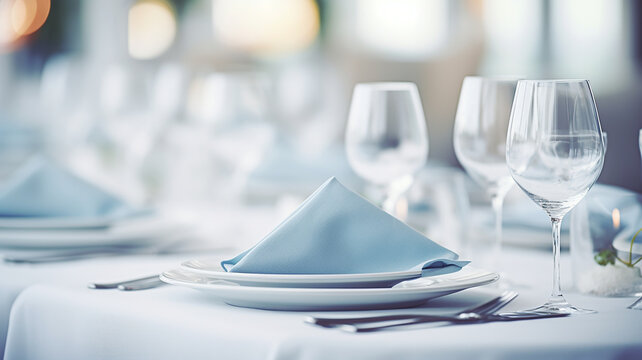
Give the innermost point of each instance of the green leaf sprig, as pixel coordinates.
(608, 256)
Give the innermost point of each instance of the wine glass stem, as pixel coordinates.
(393, 193)
(497, 201)
(556, 294)
(389, 203)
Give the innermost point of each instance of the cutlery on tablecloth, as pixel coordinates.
(486, 308)
(453, 320)
(142, 283)
(476, 315)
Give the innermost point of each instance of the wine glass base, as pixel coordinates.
(559, 307)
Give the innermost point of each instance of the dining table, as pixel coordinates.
(47, 311)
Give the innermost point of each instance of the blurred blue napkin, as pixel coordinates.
(527, 215)
(336, 231)
(43, 188)
(600, 203)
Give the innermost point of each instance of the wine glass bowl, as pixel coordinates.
(481, 126)
(555, 152)
(386, 137)
(574, 163)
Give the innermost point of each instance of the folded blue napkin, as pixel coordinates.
(336, 231)
(43, 188)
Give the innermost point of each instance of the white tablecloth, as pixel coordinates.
(55, 316)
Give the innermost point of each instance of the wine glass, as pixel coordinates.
(386, 137)
(481, 126)
(555, 152)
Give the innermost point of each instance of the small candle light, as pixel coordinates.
(401, 209)
(616, 218)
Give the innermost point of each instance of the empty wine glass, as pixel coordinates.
(481, 127)
(386, 137)
(555, 152)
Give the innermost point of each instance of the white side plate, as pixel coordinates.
(211, 268)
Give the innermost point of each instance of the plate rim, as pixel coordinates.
(487, 277)
(299, 277)
(304, 278)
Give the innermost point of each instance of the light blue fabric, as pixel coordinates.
(529, 215)
(42, 188)
(600, 203)
(526, 215)
(336, 231)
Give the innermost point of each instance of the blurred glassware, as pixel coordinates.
(284, 170)
(168, 91)
(602, 227)
(223, 100)
(386, 137)
(222, 135)
(65, 100)
(481, 127)
(18, 142)
(555, 152)
(127, 128)
(437, 205)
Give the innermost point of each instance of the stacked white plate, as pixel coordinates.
(322, 291)
(64, 233)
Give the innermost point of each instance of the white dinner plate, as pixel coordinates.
(212, 269)
(316, 299)
(134, 231)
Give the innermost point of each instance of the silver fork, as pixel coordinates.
(486, 308)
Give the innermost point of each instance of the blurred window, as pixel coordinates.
(402, 29)
(513, 32)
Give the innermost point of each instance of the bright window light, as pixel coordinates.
(151, 28)
(402, 29)
(265, 27)
(513, 38)
(587, 38)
